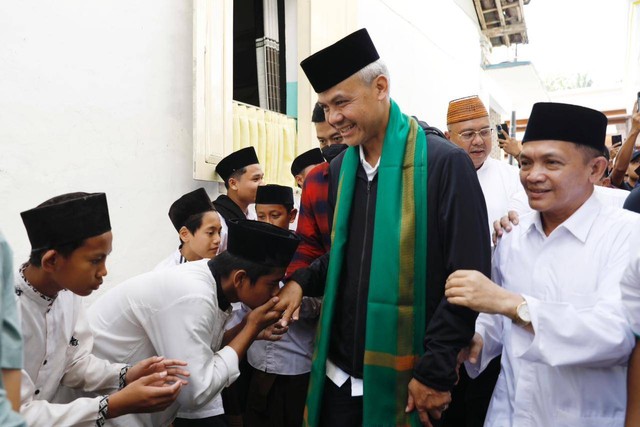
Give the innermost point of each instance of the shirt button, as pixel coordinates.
(45, 362)
(37, 392)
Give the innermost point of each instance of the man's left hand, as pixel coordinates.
(427, 401)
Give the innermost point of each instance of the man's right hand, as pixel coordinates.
(504, 225)
(290, 299)
(151, 393)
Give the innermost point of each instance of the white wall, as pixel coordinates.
(432, 49)
(97, 96)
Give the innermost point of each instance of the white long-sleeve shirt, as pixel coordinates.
(215, 406)
(173, 313)
(502, 190)
(57, 348)
(572, 371)
(630, 285)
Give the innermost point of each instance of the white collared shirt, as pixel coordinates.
(215, 406)
(572, 372)
(172, 313)
(371, 171)
(57, 345)
(502, 190)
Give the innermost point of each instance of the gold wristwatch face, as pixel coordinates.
(522, 312)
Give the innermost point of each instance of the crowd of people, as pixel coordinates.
(382, 300)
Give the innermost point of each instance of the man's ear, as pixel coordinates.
(185, 234)
(447, 135)
(237, 278)
(292, 215)
(233, 184)
(50, 259)
(299, 181)
(598, 166)
(382, 87)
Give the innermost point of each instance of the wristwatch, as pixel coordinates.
(522, 317)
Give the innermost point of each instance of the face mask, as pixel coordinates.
(331, 151)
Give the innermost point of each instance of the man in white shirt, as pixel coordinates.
(468, 127)
(71, 238)
(183, 311)
(554, 309)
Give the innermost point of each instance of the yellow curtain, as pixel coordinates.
(274, 137)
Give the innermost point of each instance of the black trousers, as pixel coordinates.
(276, 400)
(217, 421)
(339, 408)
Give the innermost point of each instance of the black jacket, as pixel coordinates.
(456, 224)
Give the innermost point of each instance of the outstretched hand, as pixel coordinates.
(150, 393)
(156, 364)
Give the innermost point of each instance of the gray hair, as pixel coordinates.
(373, 70)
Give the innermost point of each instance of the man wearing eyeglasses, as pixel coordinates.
(469, 127)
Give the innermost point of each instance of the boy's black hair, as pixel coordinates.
(225, 263)
(35, 257)
(318, 114)
(236, 175)
(193, 223)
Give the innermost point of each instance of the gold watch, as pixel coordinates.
(522, 317)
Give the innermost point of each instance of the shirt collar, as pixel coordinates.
(371, 171)
(24, 287)
(579, 223)
(223, 302)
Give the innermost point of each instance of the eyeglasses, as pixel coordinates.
(469, 135)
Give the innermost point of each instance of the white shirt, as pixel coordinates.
(172, 260)
(172, 313)
(57, 348)
(611, 196)
(502, 190)
(630, 285)
(215, 406)
(370, 170)
(572, 372)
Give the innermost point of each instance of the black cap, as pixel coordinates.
(236, 160)
(75, 217)
(190, 204)
(273, 194)
(318, 114)
(566, 122)
(308, 158)
(333, 64)
(261, 242)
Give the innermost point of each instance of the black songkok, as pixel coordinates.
(261, 242)
(66, 219)
(236, 160)
(308, 158)
(273, 194)
(333, 64)
(190, 204)
(566, 122)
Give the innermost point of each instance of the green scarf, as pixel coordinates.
(397, 283)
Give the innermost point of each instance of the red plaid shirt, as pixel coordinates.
(313, 221)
